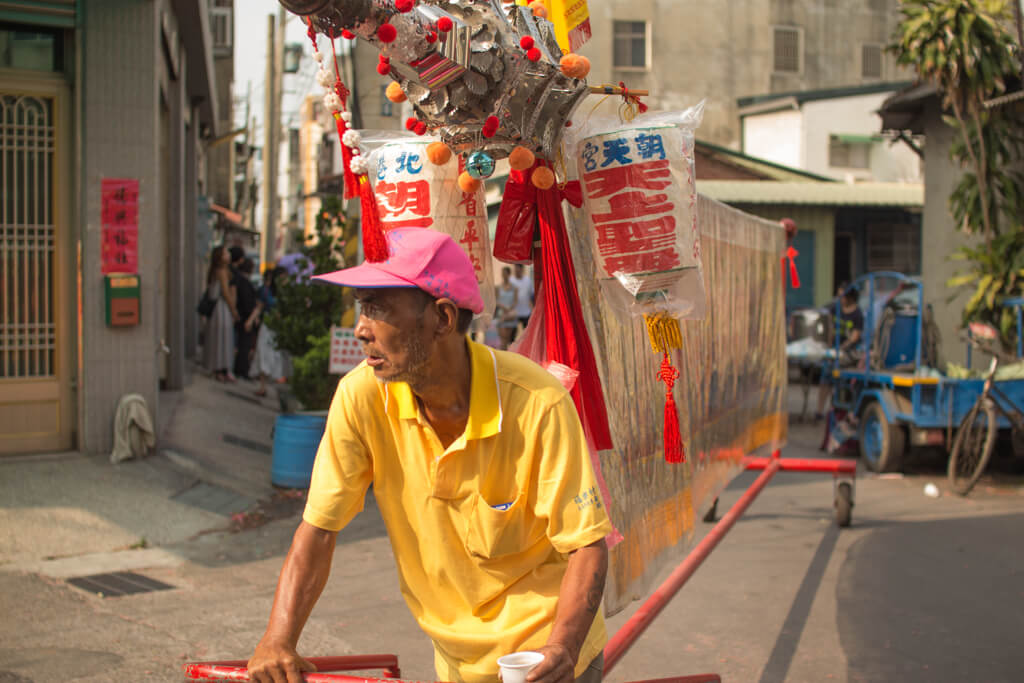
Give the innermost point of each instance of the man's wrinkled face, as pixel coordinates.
(394, 327)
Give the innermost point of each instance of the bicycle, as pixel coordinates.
(976, 437)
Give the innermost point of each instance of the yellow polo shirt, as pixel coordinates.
(481, 531)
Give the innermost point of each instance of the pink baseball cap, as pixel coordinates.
(418, 257)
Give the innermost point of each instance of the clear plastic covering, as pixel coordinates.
(413, 192)
(640, 205)
(729, 395)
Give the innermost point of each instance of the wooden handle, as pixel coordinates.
(615, 90)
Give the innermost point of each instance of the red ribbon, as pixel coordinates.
(566, 338)
(517, 218)
(794, 277)
(635, 99)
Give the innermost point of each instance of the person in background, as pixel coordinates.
(218, 344)
(851, 333)
(249, 312)
(506, 296)
(523, 282)
(268, 361)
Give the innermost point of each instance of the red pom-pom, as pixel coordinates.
(533, 54)
(526, 42)
(420, 129)
(387, 33)
(383, 60)
(410, 123)
(383, 68)
(431, 37)
(444, 24)
(347, 35)
(492, 122)
(404, 5)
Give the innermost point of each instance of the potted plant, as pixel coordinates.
(301, 320)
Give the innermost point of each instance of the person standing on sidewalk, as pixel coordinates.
(523, 283)
(481, 472)
(218, 339)
(249, 309)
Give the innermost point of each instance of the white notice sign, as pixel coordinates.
(346, 350)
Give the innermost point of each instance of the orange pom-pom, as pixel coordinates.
(394, 92)
(575, 66)
(521, 159)
(538, 9)
(543, 178)
(468, 183)
(438, 153)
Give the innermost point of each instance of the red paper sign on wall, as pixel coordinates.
(119, 217)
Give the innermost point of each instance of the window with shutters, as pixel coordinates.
(788, 50)
(871, 61)
(222, 26)
(846, 153)
(894, 247)
(630, 45)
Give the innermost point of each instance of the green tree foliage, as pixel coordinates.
(967, 50)
(306, 310)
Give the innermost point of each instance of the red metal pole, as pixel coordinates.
(638, 623)
(804, 465)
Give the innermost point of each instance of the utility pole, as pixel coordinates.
(269, 150)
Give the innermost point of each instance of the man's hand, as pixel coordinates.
(558, 666)
(277, 663)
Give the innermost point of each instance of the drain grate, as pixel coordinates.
(116, 584)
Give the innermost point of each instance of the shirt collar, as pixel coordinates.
(485, 413)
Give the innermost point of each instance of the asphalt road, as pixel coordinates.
(918, 589)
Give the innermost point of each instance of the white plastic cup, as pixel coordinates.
(514, 667)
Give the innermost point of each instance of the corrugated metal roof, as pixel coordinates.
(818, 194)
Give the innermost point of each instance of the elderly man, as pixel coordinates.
(480, 468)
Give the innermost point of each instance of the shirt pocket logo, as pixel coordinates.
(501, 529)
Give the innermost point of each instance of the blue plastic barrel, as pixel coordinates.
(296, 438)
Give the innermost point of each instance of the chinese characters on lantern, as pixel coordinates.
(119, 218)
(412, 192)
(635, 199)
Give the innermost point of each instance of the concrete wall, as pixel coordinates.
(142, 125)
(941, 238)
(776, 136)
(855, 115)
(724, 50)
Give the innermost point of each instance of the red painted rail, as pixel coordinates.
(804, 465)
(235, 670)
(638, 623)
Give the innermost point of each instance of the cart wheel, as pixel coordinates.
(844, 504)
(881, 442)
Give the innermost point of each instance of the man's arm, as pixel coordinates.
(579, 599)
(303, 577)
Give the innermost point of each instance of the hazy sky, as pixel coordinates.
(251, 57)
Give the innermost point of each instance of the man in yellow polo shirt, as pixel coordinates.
(481, 471)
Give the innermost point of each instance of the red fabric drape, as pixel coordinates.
(566, 338)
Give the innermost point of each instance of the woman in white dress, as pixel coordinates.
(219, 340)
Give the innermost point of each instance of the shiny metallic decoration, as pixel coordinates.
(472, 72)
(480, 165)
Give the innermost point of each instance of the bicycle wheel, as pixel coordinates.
(972, 447)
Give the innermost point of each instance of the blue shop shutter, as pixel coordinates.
(803, 242)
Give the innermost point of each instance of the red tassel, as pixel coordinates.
(375, 246)
(673, 440)
(351, 186)
(794, 276)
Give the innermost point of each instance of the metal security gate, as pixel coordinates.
(35, 372)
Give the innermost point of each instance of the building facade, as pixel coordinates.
(106, 109)
(687, 50)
